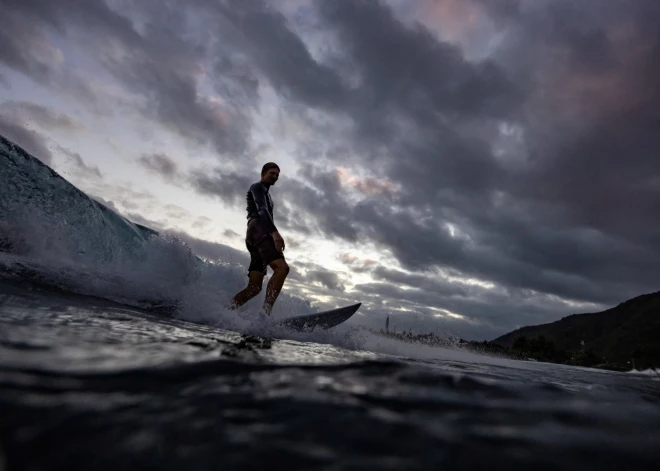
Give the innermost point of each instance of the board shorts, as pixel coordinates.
(261, 246)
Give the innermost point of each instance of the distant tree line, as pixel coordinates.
(541, 349)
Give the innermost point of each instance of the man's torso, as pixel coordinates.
(252, 210)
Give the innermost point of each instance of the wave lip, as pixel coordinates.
(45, 215)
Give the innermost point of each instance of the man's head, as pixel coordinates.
(270, 173)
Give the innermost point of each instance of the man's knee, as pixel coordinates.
(280, 266)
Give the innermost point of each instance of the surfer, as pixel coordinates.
(264, 242)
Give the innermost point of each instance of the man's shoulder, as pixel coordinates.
(256, 186)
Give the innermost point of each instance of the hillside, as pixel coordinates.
(629, 330)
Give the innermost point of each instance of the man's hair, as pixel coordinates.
(268, 166)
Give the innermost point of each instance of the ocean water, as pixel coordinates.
(98, 372)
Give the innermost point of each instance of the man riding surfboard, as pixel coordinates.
(264, 242)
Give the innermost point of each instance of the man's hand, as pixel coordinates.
(279, 242)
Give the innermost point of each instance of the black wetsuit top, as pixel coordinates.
(260, 206)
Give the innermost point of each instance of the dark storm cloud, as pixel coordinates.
(321, 205)
(568, 211)
(230, 187)
(425, 87)
(43, 116)
(326, 278)
(330, 282)
(408, 69)
(4, 82)
(356, 264)
(500, 9)
(22, 46)
(230, 233)
(156, 63)
(594, 151)
(26, 48)
(601, 172)
(32, 142)
(513, 253)
(405, 76)
(161, 164)
(280, 53)
(165, 68)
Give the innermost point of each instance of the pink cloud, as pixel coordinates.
(368, 186)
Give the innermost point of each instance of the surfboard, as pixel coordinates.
(324, 320)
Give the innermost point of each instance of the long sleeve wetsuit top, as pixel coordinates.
(260, 206)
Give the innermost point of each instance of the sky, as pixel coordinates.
(470, 166)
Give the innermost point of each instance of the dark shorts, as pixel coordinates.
(261, 246)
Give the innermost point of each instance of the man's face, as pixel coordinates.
(271, 176)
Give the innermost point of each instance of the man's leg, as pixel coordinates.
(255, 282)
(280, 271)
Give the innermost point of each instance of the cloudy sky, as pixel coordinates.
(477, 165)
